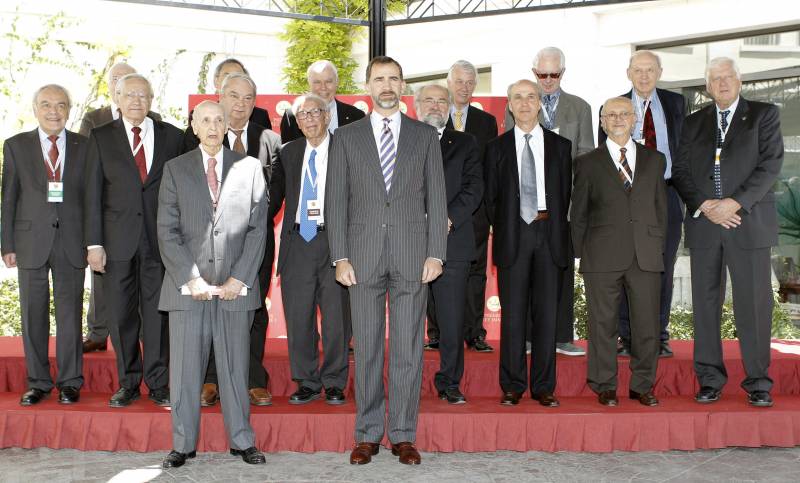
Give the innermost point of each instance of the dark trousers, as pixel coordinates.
(476, 284)
(752, 306)
(96, 319)
(34, 299)
(675, 210)
(603, 293)
(258, 375)
(529, 284)
(308, 281)
(448, 293)
(132, 289)
(565, 313)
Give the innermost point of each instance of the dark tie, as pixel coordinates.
(649, 128)
(53, 155)
(213, 182)
(623, 161)
(549, 106)
(141, 161)
(723, 127)
(238, 146)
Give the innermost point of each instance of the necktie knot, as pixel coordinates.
(238, 132)
(53, 138)
(527, 137)
(212, 163)
(136, 130)
(386, 122)
(548, 99)
(622, 152)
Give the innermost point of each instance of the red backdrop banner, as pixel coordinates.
(276, 105)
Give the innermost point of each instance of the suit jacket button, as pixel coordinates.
(210, 260)
(387, 203)
(138, 214)
(216, 232)
(383, 225)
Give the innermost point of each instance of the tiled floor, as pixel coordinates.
(733, 464)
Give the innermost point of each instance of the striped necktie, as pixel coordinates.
(623, 161)
(388, 153)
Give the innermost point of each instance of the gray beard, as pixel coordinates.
(387, 104)
(435, 120)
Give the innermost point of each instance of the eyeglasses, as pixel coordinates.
(545, 75)
(314, 113)
(621, 115)
(440, 102)
(137, 95)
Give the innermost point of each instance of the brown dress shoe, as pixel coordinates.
(259, 396)
(363, 452)
(209, 396)
(546, 399)
(407, 453)
(608, 398)
(510, 398)
(91, 346)
(645, 398)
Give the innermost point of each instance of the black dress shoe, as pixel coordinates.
(760, 399)
(546, 399)
(251, 455)
(432, 345)
(644, 398)
(510, 398)
(665, 350)
(69, 395)
(452, 395)
(608, 398)
(707, 395)
(159, 396)
(176, 460)
(33, 396)
(478, 344)
(303, 395)
(334, 396)
(123, 397)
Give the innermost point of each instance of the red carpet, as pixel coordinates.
(580, 424)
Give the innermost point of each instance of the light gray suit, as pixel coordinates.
(197, 241)
(387, 238)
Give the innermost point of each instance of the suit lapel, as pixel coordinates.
(642, 168)
(550, 167)
(510, 151)
(157, 165)
(294, 179)
(610, 167)
(227, 163)
(447, 145)
(70, 163)
(198, 175)
(404, 146)
(668, 116)
(372, 155)
(738, 120)
(125, 147)
(37, 158)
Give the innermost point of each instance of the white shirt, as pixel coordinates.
(536, 142)
(616, 154)
(217, 168)
(232, 137)
(377, 127)
(321, 165)
(334, 124)
(61, 144)
(147, 137)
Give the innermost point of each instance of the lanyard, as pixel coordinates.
(723, 132)
(641, 111)
(53, 169)
(141, 142)
(621, 169)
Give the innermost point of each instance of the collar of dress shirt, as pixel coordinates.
(244, 130)
(322, 149)
(463, 110)
(536, 133)
(376, 120)
(554, 96)
(731, 108)
(630, 153)
(218, 157)
(440, 131)
(146, 125)
(62, 136)
(114, 111)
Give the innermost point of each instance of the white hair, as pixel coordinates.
(463, 65)
(119, 65)
(52, 86)
(640, 53)
(321, 65)
(418, 94)
(233, 76)
(550, 52)
(719, 62)
(300, 100)
(134, 76)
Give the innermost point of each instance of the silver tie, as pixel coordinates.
(529, 204)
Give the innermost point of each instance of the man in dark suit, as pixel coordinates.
(658, 123)
(308, 280)
(323, 80)
(387, 217)
(96, 320)
(124, 165)
(730, 156)
(568, 116)
(230, 66)
(212, 203)
(463, 177)
(619, 216)
(461, 82)
(528, 183)
(42, 220)
(237, 96)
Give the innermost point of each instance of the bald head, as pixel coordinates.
(644, 71)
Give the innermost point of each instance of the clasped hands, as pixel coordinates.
(201, 290)
(722, 212)
(346, 274)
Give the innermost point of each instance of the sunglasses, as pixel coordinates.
(552, 75)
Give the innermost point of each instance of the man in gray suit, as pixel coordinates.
(387, 217)
(42, 220)
(96, 319)
(571, 117)
(211, 222)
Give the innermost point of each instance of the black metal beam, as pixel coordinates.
(377, 28)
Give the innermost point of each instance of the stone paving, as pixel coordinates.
(731, 464)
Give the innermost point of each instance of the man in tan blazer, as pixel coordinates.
(619, 218)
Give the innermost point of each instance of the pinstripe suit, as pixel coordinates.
(387, 238)
(197, 241)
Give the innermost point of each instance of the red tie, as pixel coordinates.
(53, 155)
(649, 129)
(211, 178)
(141, 161)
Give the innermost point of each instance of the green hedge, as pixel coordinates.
(681, 320)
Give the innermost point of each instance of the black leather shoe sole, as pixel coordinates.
(760, 403)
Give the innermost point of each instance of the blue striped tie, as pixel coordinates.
(308, 228)
(387, 153)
